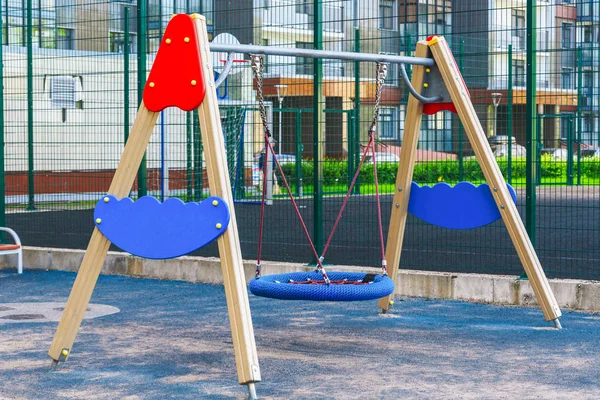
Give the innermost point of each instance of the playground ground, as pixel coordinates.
(171, 340)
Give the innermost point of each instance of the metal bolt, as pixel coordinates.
(502, 206)
(397, 205)
(495, 189)
(399, 189)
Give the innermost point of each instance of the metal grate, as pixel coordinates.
(63, 92)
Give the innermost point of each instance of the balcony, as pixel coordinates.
(590, 54)
(588, 11)
(287, 14)
(590, 101)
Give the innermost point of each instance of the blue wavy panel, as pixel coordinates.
(151, 229)
(463, 206)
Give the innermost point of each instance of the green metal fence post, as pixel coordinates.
(509, 116)
(354, 145)
(579, 101)
(30, 155)
(569, 122)
(461, 163)
(350, 161)
(317, 129)
(189, 135)
(126, 74)
(189, 156)
(197, 148)
(299, 191)
(142, 11)
(2, 172)
(531, 119)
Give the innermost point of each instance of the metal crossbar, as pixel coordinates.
(326, 54)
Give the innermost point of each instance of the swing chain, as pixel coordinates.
(257, 68)
(379, 81)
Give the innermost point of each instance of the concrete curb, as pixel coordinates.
(495, 289)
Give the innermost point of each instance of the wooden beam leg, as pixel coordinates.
(412, 126)
(95, 254)
(230, 252)
(508, 210)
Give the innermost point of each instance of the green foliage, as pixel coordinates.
(336, 171)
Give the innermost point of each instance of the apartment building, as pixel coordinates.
(588, 40)
(96, 25)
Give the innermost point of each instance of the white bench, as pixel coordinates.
(15, 248)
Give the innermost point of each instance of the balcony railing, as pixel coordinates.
(285, 13)
(519, 42)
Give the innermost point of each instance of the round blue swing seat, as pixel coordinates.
(344, 286)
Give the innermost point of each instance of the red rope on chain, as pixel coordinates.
(339, 216)
(380, 223)
(297, 210)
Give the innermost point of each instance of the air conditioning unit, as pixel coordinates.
(66, 93)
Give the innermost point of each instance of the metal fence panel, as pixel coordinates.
(71, 72)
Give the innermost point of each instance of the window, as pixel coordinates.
(587, 33)
(4, 32)
(518, 72)
(567, 78)
(304, 7)
(388, 122)
(48, 39)
(567, 30)
(387, 14)
(117, 40)
(518, 27)
(304, 66)
(65, 39)
(588, 79)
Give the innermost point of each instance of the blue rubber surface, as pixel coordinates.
(277, 287)
(462, 206)
(171, 340)
(151, 229)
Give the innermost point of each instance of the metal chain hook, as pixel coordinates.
(379, 81)
(257, 69)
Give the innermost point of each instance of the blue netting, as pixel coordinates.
(276, 286)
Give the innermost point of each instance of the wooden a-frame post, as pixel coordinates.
(229, 246)
(466, 112)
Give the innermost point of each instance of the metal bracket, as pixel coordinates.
(423, 99)
(434, 86)
(226, 70)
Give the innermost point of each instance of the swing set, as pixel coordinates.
(182, 77)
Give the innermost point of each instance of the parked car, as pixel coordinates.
(499, 145)
(590, 153)
(516, 150)
(556, 154)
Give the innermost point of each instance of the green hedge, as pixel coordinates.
(336, 171)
